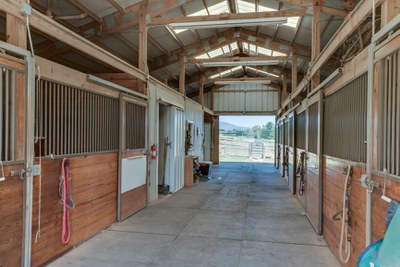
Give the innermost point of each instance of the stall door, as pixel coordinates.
(176, 153)
(207, 141)
(313, 160)
(291, 153)
(17, 102)
(133, 184)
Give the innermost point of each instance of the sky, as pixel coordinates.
(248, 121)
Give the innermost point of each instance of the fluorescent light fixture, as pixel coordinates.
(239, 63)
(227, 82)
(228, 23)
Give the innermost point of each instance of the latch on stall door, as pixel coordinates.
(19, 173)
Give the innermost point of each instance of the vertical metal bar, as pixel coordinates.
(46, 122)
(79, 111)
(393, 112)
(397, 83)
(1, 113)
(13, 115)
(29, 160)
(121, 120)
(7, 116)
(62, 119)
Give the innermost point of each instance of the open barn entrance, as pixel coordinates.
(246, 138)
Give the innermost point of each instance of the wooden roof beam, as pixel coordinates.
(237, 59)
(117, 6)
(161, 21)
(118, 22)
(84, 9)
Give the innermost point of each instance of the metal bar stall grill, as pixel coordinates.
(75, 121)
(301, 130)
(345, 119)
(291, 131)
(313, 128)
(7, 113)
(135, 126)
(389, 115)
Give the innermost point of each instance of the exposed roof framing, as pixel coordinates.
(117, 22)
(84, 9)
(225, 38)
(234, 16)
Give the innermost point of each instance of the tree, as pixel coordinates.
(270, 130)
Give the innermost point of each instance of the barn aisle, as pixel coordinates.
(244, 216)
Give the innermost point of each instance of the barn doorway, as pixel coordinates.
(247, 138)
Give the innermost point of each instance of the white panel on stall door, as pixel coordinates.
(133, 173)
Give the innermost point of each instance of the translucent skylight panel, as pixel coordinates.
(225, 72)
(278, 54)
(237, 68)
(202, 12)
(265, 9)
(253, 49)
(234, 46)
(214, 76)
(292, 22)
(264, 51)
(246, 7)
(219, 8)
(202, 56)
(226, 49)
(179, 30)
(215, 53)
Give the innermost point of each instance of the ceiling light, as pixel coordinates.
(240, 63)
(228, 23)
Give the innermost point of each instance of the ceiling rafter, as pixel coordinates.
(84, 9)
(160, 21)
(117, 22)
(117, 6)
(226, 38)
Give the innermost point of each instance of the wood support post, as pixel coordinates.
(16, 31)
(216, 140)
(143, 66)
(182, 73)
(280, 98)
(284, 87)
(201, 90)
(389, 9)
(316, 39)
(294, 71)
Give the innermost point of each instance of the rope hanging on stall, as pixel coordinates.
(345, 236)
(301, 171)
(67, 202)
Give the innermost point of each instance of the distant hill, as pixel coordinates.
(230, 127)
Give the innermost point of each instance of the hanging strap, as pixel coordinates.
(66, 200)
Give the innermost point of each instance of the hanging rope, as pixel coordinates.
(301, 171)
(345, 237)
(66, 200)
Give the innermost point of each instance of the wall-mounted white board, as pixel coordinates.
(133, 173)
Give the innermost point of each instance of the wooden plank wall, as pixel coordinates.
(11, 195)
(133, 201)
(94, 190)
(333, 186)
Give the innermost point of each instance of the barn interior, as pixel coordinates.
(110, 132)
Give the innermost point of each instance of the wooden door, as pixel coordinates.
(133, 156)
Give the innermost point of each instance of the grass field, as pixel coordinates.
(236, 149)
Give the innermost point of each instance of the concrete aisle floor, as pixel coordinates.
(246, 218)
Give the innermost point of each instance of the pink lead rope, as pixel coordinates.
(66, 200)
